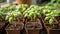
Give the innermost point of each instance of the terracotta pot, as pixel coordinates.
(10, 29)
(52, 29)
(33, 27)
(13, 31)
(34, 31)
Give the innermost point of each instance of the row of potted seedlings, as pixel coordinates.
(3, 12)
(33, 23)
(16, 20)
(50, 19)
(24, 17)
(30, 18)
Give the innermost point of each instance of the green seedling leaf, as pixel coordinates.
(7, 18)
(51, 21)
(11, 19)
(35, 16)
(47, 18)
(1, 16)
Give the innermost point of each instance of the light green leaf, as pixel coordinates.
(47, 18)
(51, 21)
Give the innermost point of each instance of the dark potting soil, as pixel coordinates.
(2, 30)
(17, 27)
(32, 20)
(55, 26)
(33, 25)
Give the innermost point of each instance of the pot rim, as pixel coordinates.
(13, 28)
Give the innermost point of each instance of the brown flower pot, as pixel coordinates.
(11, 29)
(58, 18)
(29, 2)
(33, 27)
(15, 27)
(33, 31)
(52, 29)
(2, 23)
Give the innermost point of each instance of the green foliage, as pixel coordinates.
(54, 3)
(22, 7)
(50, 16)
(51, 21)
(32, 12)
(5, 10)
(11, 17)
(11, 7)
(1, 15)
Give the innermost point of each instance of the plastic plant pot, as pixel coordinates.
(52, 29)
(11, 29)
(33, 27)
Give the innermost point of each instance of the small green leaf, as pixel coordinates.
(1, 16)
(47, 18)
(51, 21)
(11, 19)
(47, 14)
(35, 16)
(26, 15)
(7, 17)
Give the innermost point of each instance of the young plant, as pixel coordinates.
(8, 8)
(51, 2)
(54, 3)
(32, 12)
(22, 7)
(51, 16)
(11, 8)
(4, 9)
(11, 17)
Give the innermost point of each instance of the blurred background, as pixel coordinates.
(36, 1)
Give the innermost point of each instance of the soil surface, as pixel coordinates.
(13, 27)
